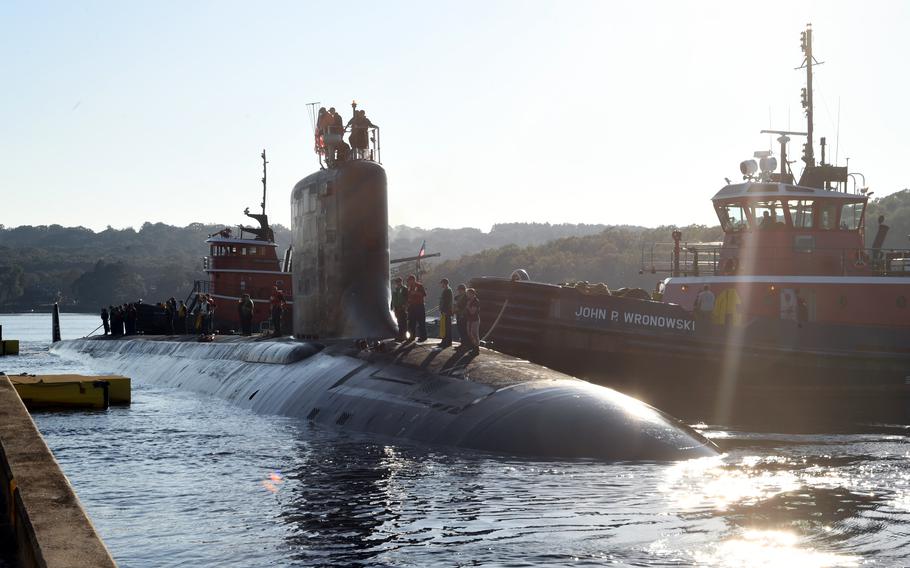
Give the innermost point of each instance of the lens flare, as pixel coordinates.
(272, 483)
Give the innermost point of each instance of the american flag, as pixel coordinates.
(423, 250)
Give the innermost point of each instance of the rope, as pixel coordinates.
(93, 331)
(496, 321)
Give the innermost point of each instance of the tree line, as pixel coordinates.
(85, 269)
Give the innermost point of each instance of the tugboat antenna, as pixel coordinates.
(264, 175)
(808, 62)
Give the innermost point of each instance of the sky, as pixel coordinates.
(118, 113)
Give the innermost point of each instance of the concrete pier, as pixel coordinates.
(42, 517)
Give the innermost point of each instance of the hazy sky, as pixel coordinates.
(117, 113)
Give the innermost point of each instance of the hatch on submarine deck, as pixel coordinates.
(489, 401)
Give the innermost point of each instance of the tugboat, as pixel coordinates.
(247, 263)
(809, 325)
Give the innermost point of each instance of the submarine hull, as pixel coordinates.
(488, 402)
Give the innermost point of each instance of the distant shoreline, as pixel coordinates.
(43, 310)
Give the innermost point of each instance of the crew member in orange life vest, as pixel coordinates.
(277, 302)
(417, 313)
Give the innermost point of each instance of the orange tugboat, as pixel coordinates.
(806, 322)
(247, 263)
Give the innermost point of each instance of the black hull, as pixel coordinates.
(764, 375)
(487, 401)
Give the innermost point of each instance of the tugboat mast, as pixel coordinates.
(264, 175)
(806, 45)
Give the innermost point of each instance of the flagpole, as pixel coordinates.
(420, 253)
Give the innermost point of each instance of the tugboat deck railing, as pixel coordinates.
(706, 259)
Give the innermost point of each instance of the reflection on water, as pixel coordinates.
(179, 479)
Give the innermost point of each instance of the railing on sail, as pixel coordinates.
(331, 141)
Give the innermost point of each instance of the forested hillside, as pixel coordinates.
(896, 209)
(79, 266)
(83, 269)
(612, 256)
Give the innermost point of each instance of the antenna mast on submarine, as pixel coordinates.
(264, 175)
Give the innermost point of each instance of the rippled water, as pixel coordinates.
(179, 479)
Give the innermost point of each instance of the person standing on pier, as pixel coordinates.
(446, 309)
(417, 311)
(104, 321)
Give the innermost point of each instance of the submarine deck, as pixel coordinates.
(488, 367)
(486, 401)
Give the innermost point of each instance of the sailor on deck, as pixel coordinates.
(360, 140)
(446, 309)
(704, 305)
(245, 309)
(277, 302)
(417, 314)
(336, 149)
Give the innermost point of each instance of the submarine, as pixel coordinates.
(343, 369)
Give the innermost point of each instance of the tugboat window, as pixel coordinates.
(733, 217)
(826, 215)
(801, 213)
(769, 214)
(850, 216)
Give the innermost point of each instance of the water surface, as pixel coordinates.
(181, 479)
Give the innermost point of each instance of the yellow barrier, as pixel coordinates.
(73, 391)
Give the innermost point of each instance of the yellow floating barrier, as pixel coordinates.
(9, 347)
(71, 391)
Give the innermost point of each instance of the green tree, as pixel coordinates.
(11, 283)
(108, 283)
